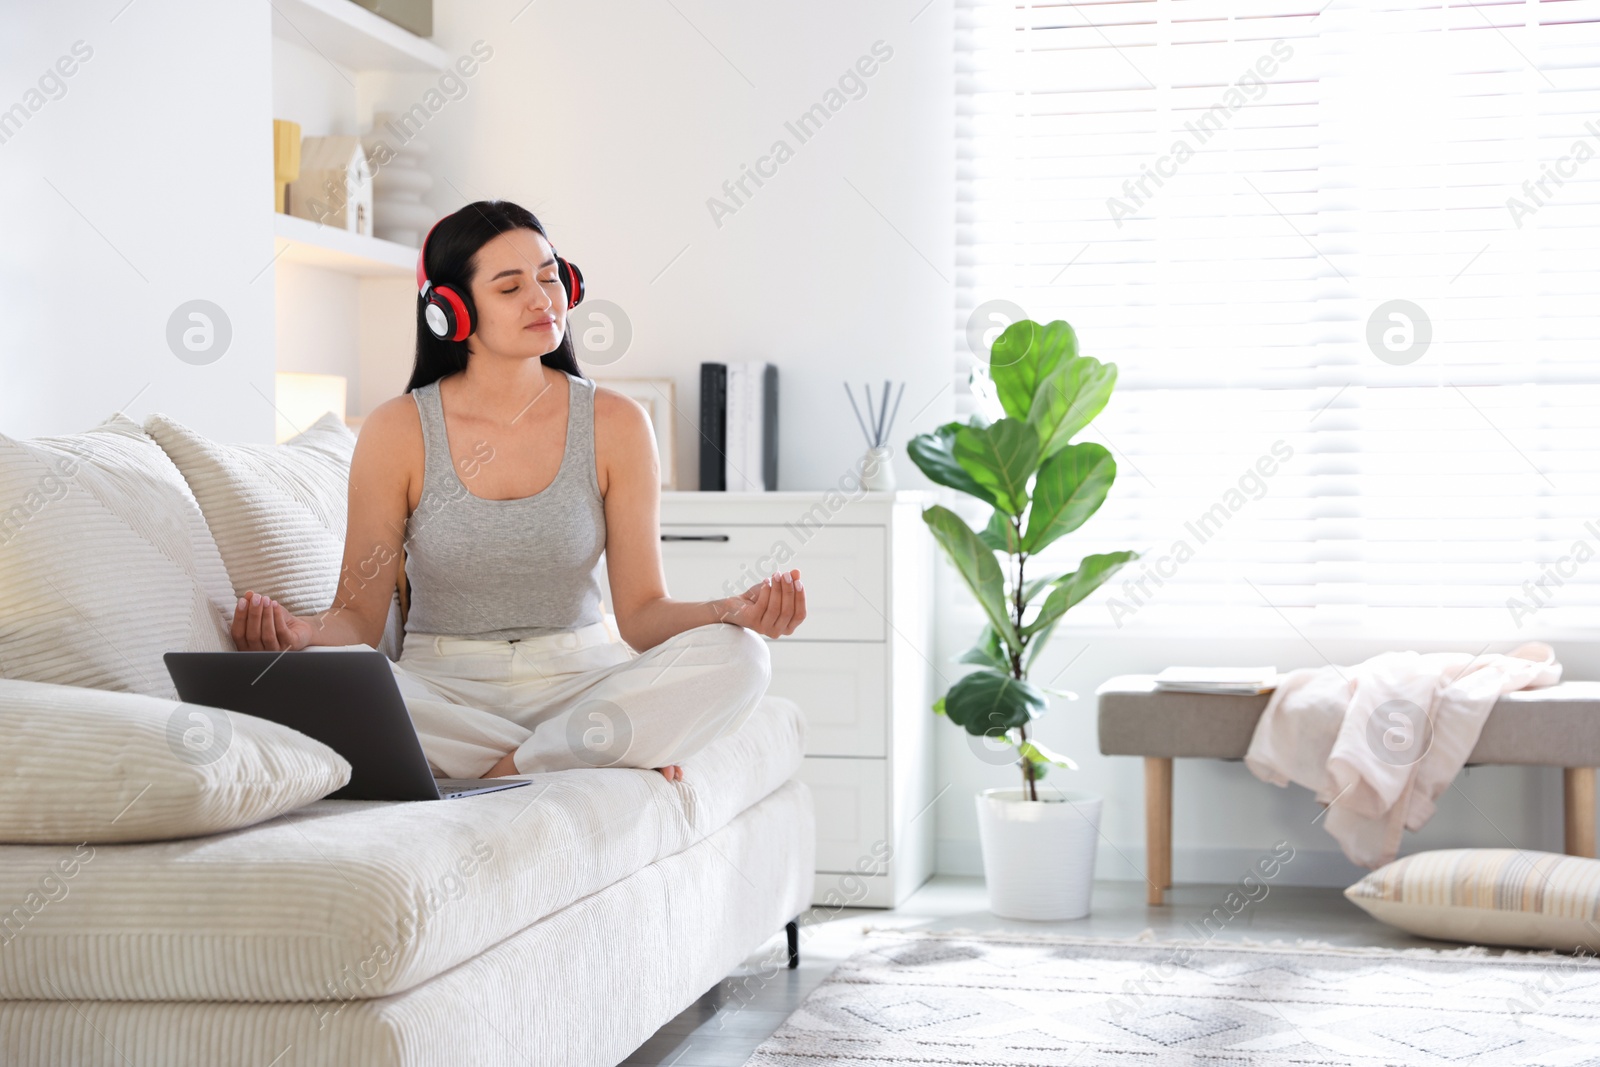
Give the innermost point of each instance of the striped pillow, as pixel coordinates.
(1491, 896)
(277, 511)
(105, 562)
(84, 765)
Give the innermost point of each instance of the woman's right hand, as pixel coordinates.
(261, 624)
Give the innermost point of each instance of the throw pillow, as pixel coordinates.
(278, 512)
(1490, 896)
(105, 562)
(86, 765)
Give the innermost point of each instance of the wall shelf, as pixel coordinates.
(314, 245)
(354, 37)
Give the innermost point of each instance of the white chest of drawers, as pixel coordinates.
(859, 666)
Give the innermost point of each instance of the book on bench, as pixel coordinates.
(1244, 681)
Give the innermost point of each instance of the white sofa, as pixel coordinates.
(559, 924)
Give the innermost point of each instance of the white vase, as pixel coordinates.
(877, 469)
(398, 181)
(1038, 855)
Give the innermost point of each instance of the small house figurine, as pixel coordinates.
(335, 184)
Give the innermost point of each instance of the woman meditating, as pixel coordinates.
(504, 474)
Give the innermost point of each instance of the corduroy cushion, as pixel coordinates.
(580, 986)
(278, 512)
(349, 898)
(1557, 725)
(90, 766)
(1491, 896)
(105, 562)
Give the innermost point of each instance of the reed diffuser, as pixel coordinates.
(877, 470)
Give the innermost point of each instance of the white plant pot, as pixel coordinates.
(1038, 855)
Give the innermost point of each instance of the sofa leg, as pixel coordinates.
(1157, 827)
(1578, 800)
(792, 928)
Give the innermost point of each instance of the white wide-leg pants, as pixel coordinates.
(578, 699)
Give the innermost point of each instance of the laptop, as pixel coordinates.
(345, 698)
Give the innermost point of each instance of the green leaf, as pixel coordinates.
(1031, 587)
(987, 701)
(1000, 457)
(1070, 589)
(1000, 535)
(987, 652)
(1069, 399)
(1044, 623)
(1036, 753)
(1072, 485)
(933, 453)
(938, 706)
(1036, 644)
(976, 564)
(1023, 357)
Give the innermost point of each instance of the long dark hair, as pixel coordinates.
(451, 254)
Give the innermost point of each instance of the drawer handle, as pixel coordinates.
(694, 537)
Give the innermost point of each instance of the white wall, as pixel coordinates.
(388, 340)
(145, 185)
(614, 122)
(318, 332)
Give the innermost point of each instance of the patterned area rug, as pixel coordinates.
(961, 997)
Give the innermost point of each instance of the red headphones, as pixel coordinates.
(445, 311)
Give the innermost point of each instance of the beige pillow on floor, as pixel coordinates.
(277, 512)
(86, 765)
(1489, 896)
(105, 562)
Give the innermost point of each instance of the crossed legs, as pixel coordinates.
(604, 706)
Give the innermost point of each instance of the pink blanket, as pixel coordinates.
(1379, 741)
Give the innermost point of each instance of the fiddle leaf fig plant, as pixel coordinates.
(1041, 487)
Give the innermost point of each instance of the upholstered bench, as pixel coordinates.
(1554, 727)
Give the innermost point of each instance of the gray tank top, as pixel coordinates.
(506, 569)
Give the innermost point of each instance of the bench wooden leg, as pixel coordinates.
(1578, 799)
(1158, 826)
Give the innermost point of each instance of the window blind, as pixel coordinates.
(1346, 260)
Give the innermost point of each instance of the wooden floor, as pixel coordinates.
(725, 1025)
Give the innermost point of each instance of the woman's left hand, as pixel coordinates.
(773, 607)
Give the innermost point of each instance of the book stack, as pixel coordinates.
(739, 426)
(1242, 681)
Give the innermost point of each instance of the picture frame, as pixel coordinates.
(660, 401)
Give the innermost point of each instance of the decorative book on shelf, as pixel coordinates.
(739, 426)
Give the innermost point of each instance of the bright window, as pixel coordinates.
(1347, 261)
